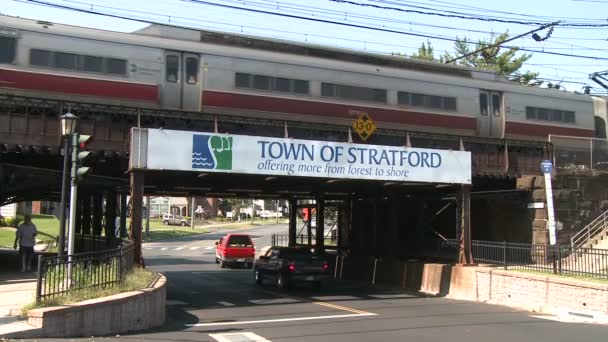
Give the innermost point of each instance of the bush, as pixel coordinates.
(11, 221)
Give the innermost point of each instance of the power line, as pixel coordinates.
(461, 16)
(428, 36)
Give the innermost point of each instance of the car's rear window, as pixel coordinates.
(296, 254)
(239, 241)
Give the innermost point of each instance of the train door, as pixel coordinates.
(492, 118)
(182, 81)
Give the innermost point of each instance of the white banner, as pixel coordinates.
(210, 152)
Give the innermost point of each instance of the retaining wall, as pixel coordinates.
(121, 313)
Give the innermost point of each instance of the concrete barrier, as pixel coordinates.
(116, 314)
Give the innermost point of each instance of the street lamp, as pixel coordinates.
(68, 127)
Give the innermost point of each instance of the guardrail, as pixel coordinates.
(301, 240)
(556, 259)
(61, 275)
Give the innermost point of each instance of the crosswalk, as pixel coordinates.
(191, 248)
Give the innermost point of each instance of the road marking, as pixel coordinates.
(280, 320)
(164, 248)
(225, 303)
(231, 337)
(343, 308)
(284, 300)
(179, 248)
(194, 248)
(209, 247)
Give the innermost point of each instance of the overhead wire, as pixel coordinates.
(152, 22)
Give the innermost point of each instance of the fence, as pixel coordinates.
(576, 154)
(557, 259)
(60, 275)
(302, 239)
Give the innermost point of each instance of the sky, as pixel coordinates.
(572, 73)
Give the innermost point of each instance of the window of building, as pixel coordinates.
(172, 68)
(8, 48)
(41, 57)
(353, 92)
(192, 70)
(428, 101)
(546, 114)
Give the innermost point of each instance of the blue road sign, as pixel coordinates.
(546, 166)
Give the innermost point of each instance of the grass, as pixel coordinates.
(167, 234)
(567, 276)
(46, 224)
(136, 279)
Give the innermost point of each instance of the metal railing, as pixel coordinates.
(577, 154)
(61, 275)
(282, 240)
(583, 237)
(556, 259)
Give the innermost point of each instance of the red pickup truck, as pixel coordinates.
(235, 249)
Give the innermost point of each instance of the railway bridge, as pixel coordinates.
(376, 216)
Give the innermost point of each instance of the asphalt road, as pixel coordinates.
(206, 303)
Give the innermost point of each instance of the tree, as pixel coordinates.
(503, 61)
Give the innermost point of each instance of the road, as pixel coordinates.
(206, 303)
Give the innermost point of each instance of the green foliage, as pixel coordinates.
(503, 61)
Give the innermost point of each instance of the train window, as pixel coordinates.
(92, 63)
(261, 82)
(435, 101)
(496, 105)
(242, 80)
(534, 113)
(379, 95)
(328, 90)
(172, 68)
(483, 104)
(300, 87)
(403, 98)
(116, 66)
(192, 70)
(530, 113)
(8, 46)
(449, 103)
(282, 84)
(40, 57)
(418, 100)
(66, 60)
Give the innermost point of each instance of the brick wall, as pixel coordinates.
(528, 291)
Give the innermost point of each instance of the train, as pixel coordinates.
(175, 68)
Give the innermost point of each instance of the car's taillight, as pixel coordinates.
(292, 268)
(325, 266)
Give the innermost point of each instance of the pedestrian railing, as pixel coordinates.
(302, 239)
(62, 275)
(556, 259)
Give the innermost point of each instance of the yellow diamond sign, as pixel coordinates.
(364, 126)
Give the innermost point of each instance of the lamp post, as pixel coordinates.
(68, 127)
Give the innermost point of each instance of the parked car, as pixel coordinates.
(235, 249)
(287, 266)
(170, 219)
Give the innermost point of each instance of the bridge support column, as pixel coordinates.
(293, 215)
(320, 228)
(123, 214)
(464, 221)
(110, 218)
(97, 214)
(137, 203)
(86, 213)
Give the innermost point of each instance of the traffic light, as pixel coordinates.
(83, 157)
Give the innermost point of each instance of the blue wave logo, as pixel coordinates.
(211, 152)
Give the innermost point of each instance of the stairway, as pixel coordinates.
(593, 235)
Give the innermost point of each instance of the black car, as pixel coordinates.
(287, 266)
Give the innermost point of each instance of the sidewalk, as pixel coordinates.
(16, 289)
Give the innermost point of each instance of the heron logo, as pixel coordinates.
(211, 152)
